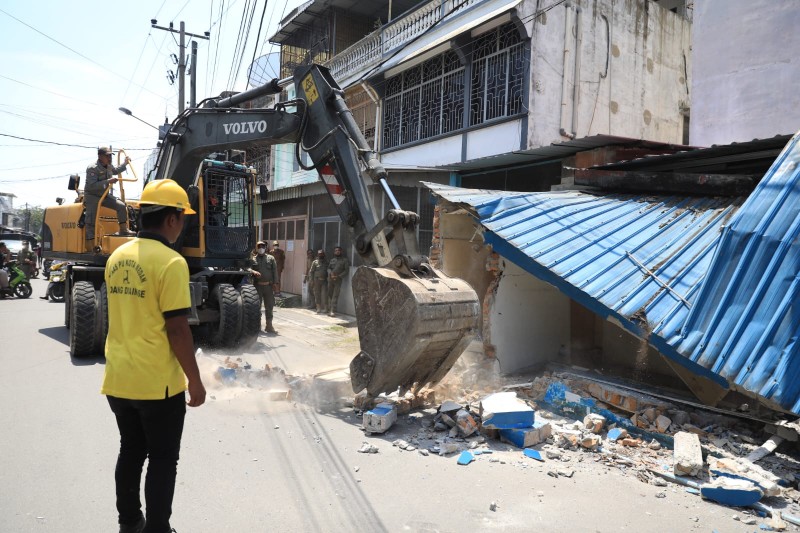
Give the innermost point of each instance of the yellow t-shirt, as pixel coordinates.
(145, 280)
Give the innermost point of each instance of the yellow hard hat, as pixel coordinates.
(166, 193)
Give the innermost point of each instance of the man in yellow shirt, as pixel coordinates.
(149, 357)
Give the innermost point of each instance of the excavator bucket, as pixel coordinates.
(412, 330)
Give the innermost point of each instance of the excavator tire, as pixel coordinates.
(229, 304)
(251, 316)
(101, 297)
(83, 320)
(411, 330)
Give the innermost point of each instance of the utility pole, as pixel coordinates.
(182, 58)
(193, 77)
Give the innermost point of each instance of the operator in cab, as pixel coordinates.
(100, 177)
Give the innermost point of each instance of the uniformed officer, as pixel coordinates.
(150, 358)
(338, 268)
(26, 259)
(99, 177)
(280, 260)
(265, 271)
(309, 261)
(318, 274)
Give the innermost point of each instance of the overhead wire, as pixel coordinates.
(216, 51)
(71, 49)
(236, 52)
(61, 144)
(258, 34)
(244, 43)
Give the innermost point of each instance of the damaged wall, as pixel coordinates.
(629, 60)
(529, 320)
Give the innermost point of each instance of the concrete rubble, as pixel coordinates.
(570, 426)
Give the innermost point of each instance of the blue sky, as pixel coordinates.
(67, 67)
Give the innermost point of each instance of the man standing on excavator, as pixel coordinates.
(99, 177)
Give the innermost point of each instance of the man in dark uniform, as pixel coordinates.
(99, 177)
(338, 268)
(26, 258)
(265, 272)
(310, 282)
(318, 274)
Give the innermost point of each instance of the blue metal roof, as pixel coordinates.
(710, 282)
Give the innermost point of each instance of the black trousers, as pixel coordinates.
(148, 429)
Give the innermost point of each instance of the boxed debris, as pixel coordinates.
(526, 437)
(503, 410)
(380, 419)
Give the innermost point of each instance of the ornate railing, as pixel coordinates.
(389, 37)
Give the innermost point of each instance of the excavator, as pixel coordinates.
(413, 321)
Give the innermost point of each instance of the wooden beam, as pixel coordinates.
(668, 182)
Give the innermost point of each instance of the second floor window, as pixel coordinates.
(498, 75)
(424, 101)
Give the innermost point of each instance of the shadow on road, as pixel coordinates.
(60, 334)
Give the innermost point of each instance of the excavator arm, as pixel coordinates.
(413, 321)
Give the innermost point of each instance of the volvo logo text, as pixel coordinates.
(238, 128)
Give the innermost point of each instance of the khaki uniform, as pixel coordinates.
(27, 268)
(280, 260)
(310, 281)
(318, 275)
(97, 177)
(266, 266)
(338, 268)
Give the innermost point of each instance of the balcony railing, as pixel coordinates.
(374, 47)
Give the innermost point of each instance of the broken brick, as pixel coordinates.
(688, 454)
(732, 492)
(503, 410)
(526, 437)
(380, 419)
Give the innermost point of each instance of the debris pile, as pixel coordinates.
(560, 420)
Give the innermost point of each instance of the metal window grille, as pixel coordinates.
(498, 73)
(424, 101)
(227, 220)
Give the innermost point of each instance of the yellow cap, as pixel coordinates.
(166, 193)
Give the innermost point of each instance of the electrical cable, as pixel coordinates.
(63, 144)
(246, 39)
(236, 50)
(72, 50)
(48, 91)
(216, 52)
(258, 35)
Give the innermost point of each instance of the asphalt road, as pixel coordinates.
(251, 463)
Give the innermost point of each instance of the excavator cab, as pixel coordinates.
(222, 197)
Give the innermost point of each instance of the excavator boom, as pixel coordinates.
(413, 321)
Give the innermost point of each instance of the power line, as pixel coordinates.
(64, 144)
(258, 35)
(48, 91)
(73, 50)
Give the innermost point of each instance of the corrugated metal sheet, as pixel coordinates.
(745, 326)
(712, 285)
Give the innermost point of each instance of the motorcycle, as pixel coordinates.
(56, 278)
(18, 284)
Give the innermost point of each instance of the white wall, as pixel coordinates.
(746, 74)
(529, 320)
(638, 94)
(435, 153)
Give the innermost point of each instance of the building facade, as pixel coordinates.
(459, 91)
